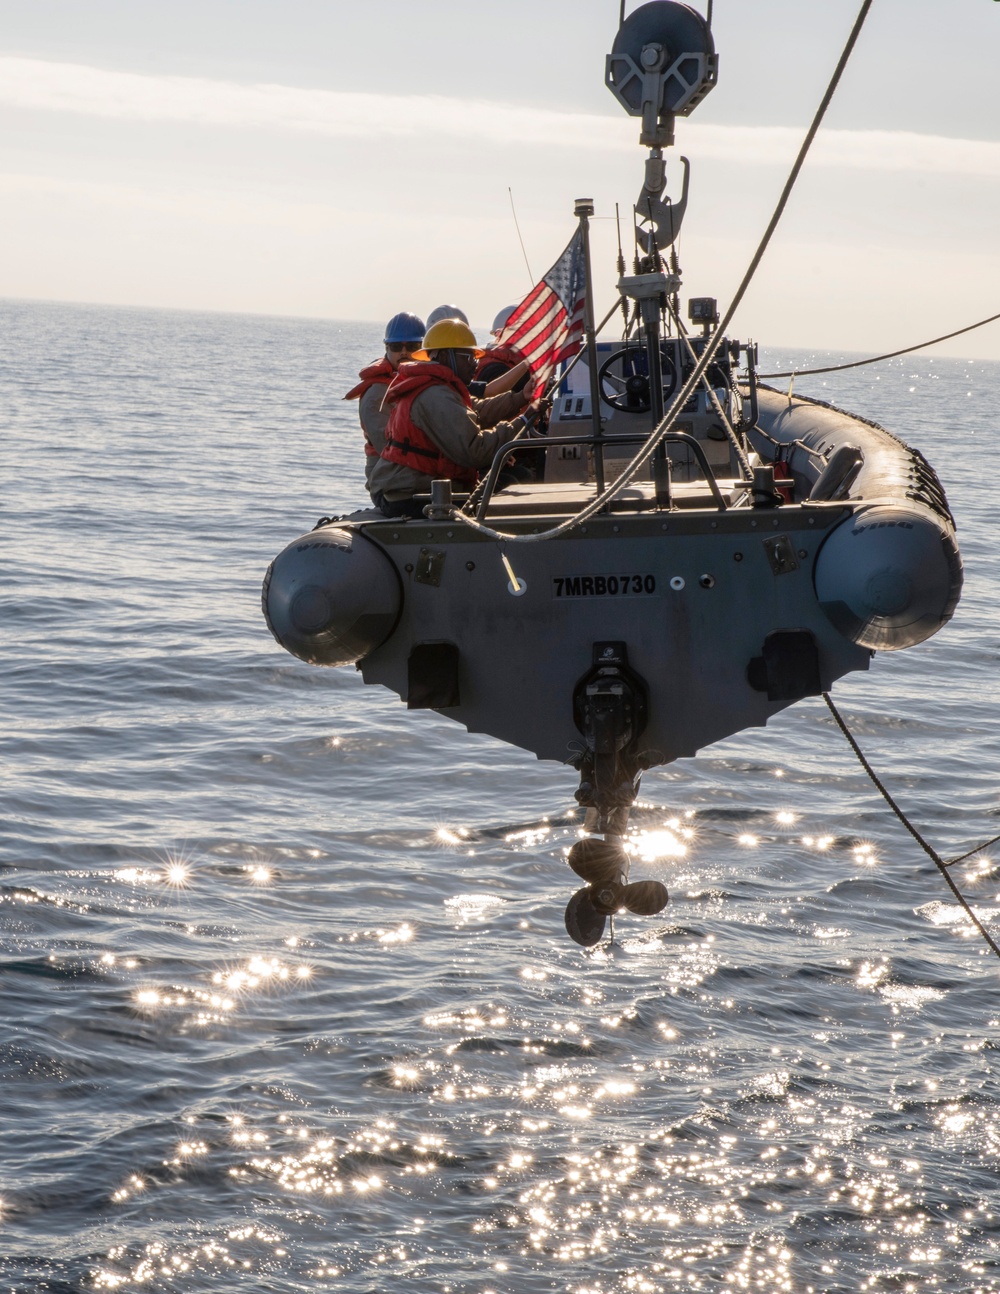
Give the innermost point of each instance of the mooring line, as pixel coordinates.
(936, 858)
(953, 862)
(879, 359)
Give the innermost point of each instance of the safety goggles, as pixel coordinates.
(396, 347)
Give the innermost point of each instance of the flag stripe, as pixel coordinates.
(550, 329)
(546, 310)
(531, 340)
(547, 326)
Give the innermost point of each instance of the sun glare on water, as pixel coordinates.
(177, 874)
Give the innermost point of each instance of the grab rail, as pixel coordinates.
(543, 442)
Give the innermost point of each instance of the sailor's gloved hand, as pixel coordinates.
(534, 415)
(523, 383)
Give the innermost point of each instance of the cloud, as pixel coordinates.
(866, 150)
(41, 85)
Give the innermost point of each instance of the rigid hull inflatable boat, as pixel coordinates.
(696, 550)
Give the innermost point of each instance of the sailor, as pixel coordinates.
(503, 366)
(499, 324)
(497, 362)
(445, 312)
(500, 359)
(436, 429)
(404, 334)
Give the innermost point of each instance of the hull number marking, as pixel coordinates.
(603, 586)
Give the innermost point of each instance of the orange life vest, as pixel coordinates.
(378, 374)
(508, 356)
(405, 442)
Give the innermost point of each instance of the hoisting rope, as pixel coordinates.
(932, 853)
(878, 359)
(629, 474)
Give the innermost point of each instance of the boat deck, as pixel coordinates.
(537, 499)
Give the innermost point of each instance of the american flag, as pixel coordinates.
(547, 327)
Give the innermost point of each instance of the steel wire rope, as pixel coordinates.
(632, 470)
(929, 850)
(879, 359)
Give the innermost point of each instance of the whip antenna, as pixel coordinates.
(519, 238)
(621, 266)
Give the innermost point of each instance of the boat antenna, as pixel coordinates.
(708, 15)
(513, 212)
(675, 264)
(622, 17)
(621, 265)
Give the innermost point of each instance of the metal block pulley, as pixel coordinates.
(662, 64)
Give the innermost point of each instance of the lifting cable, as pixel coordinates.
(878, 359)
(932, 853)
(628, 475)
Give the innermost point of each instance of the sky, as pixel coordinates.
(349, 158)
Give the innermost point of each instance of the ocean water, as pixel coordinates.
(287, 1004)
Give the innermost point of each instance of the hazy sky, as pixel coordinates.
(346, 158)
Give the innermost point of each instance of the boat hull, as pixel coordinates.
(725, 615)
(694, 598)
(892, 577)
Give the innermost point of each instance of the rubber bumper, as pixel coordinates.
(889, 577)
(331, 597)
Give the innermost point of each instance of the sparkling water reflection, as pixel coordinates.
(288, 1005)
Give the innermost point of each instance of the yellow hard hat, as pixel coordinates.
(449, 334)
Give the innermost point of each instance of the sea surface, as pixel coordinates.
(286, 999)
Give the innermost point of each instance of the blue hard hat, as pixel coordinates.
(404, 327)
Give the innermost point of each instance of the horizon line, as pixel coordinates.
(378, 323)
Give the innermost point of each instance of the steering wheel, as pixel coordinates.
(624, 379)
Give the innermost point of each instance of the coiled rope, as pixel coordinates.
(932, 853)
(680, 400)
(878, 359)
